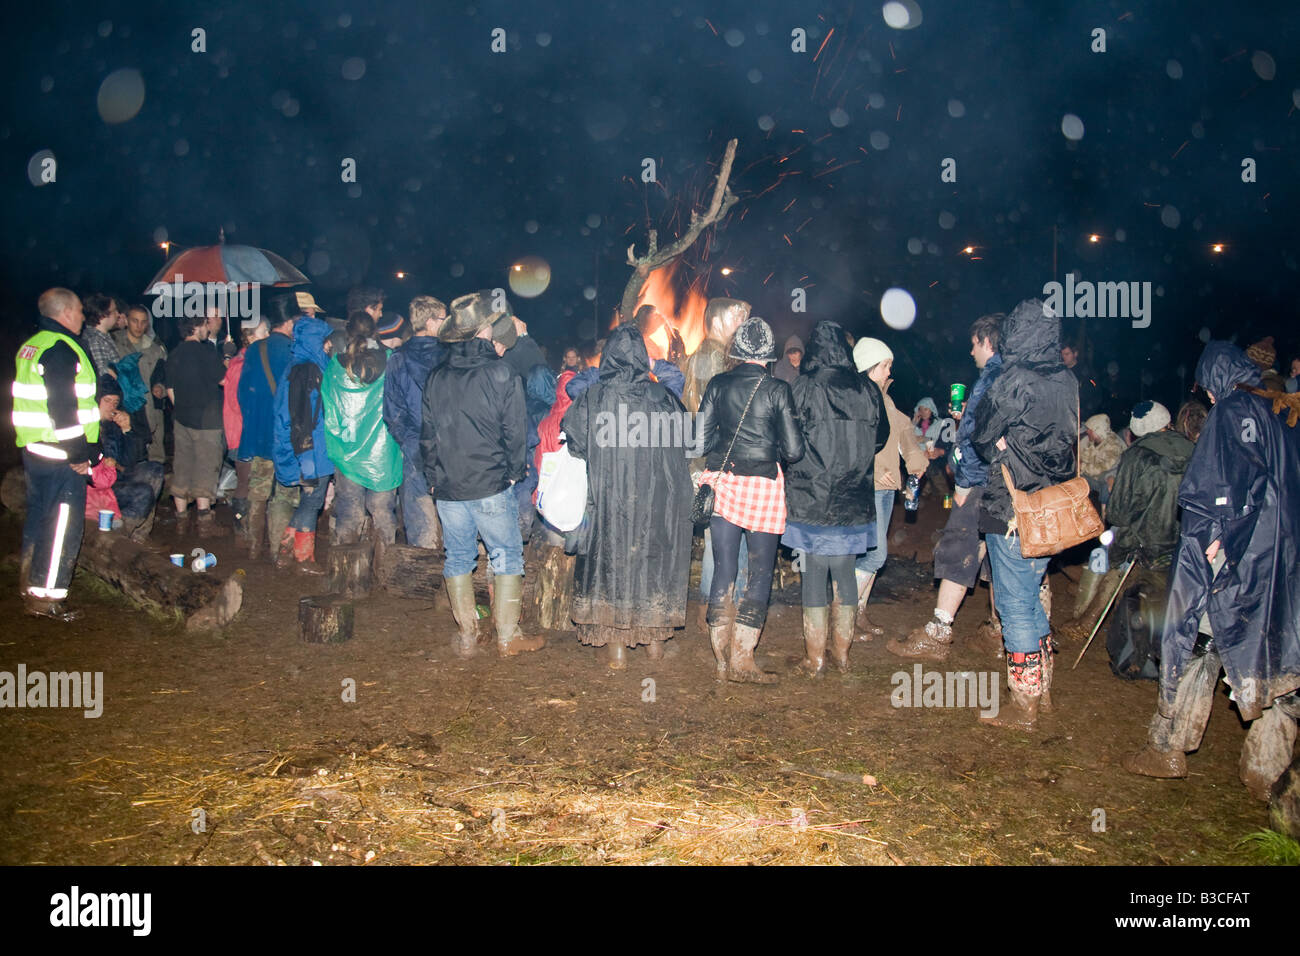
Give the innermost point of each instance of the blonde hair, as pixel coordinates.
(426, 309)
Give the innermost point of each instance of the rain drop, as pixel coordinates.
(734, 37)
(956, 109)
(915, 246)
(457, 270)
(1120, 235)
(1170, 216)
(898, 309)
(593, 220)
(120, 96)
(1072, 127)
(345, 20)
(755, 75)
(105, 28)
(1174, 69)
(879, 140)
(354, 68)
(839, 117)
(47, 84)
(589, 293)
(896, 15)
(876, 101)
(35, 166)
(947, 220)
(1263, 65)
(530, 226)
(1204, 334)
(181, 147)
(765, 123)
(543, 39)
(291, 107)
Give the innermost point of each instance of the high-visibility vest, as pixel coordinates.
(32, 422)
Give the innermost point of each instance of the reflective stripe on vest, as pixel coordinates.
(31, 417)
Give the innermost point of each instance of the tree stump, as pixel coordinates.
(350, 571)
(553, 596)
(1284, 802)
(409, 572)
(204, 600)
(325, 619)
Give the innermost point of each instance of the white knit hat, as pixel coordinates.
(1148, 418)
(869, 352)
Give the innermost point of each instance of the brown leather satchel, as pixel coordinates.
(1055, 518)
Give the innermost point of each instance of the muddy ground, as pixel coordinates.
(238, 747)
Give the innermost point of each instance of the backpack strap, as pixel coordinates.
(266, 364)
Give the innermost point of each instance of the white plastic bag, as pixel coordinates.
(562, 488)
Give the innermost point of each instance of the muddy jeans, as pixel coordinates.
(1017, 581)
(419, 513)
(351, 504)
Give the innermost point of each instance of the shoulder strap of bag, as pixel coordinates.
(727, 457)
(266, 364)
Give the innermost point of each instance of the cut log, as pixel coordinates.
(409, 572)
(350, 571)
(553, 596)
(325, 619)
(206, 601)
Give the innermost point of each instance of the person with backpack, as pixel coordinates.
(302, 465)
(367, 460)
(265, 364)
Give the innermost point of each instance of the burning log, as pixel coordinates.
(723, 200)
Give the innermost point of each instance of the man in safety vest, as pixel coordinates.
(56, 420)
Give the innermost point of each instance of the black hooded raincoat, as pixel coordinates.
(634, 546)
(1242, 488)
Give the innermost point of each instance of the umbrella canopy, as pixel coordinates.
(226, 263)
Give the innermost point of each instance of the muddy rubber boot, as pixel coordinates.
(1024, 681)
(206, 525)
(1046, 647)
(284, 556)
(304, 552)
(239, 509)
(988, 636)
(460, 593)
(507, 602)
(741, 667)
(617, 654)
(843, 617)
(720, 639)
(930, 642)
(256, 521)
(279, 515)
(1267, 751)
(1163, 764)
(815, 627)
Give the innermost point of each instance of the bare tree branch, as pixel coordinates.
(722, 201)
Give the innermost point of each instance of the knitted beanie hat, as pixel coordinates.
(1148, 418)
(1263, 354)
(754, 341)
(869, 352)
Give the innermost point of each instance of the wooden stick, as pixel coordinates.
(1104, 612)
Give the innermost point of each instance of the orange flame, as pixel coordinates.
(681, 308)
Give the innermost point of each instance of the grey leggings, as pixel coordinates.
(816, 568)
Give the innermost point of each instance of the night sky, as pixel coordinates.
(469, 159)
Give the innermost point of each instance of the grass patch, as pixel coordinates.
(1272, 848)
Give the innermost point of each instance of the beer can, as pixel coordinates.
(947, 502)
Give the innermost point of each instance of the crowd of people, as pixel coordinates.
(434, 427)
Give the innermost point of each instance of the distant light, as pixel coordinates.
(968, 250)
(401, 275)
(726, 270)
(518, 267)
(1094, 238)
(1217, 247)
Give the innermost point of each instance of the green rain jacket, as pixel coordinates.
(356, 439)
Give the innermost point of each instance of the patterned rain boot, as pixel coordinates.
(1025, 683)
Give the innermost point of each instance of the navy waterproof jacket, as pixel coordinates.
(968, 469)
(408, 371)
(256, 399)
(1242, 489)
(309, 335)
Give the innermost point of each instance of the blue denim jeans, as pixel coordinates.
(1016, 581)
(495, 520)
(310, 501)
(419, 514)
(351, 503)
(874, 560)
(706, 566)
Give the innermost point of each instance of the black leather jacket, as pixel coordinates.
(769, 432)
